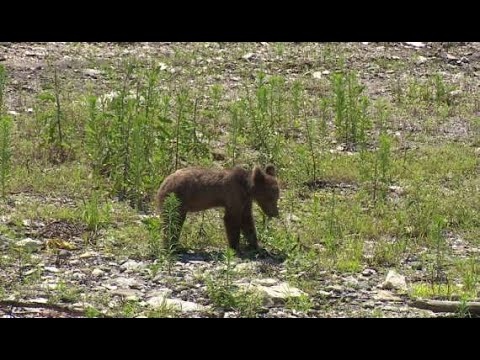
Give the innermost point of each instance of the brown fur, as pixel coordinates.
(200, 189)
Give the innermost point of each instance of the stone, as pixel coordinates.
(128, 294)
(39, 301)
(351, 281)
(385, 295)
(265, 282)
(368, 272)
(88, 254)
(165, 292)
(97, 272)
(416, 44)
(184, 306)
(30, 244)
(124, 282)
(455, 93)
(421, 60)
(335, 288)
(323, 293)
(246, 267)
(394, 280)
(92, 73)
(132, 265)
(278, 294)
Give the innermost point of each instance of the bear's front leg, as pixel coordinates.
(232, 222)
(248, 227)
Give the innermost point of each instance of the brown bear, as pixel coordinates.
(235, 189)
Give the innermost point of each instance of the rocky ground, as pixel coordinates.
(62, 277)
(80, 279)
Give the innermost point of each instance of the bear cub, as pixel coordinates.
(199, 189)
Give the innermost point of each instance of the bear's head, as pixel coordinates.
(266, 190)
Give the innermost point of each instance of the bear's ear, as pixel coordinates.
(258, 175)
(270, 170)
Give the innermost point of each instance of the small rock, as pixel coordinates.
(92, 73)
(157, 301)
(128, 294)
(109, 287)
(39, 301)
(421, 60)
(416, 44)
(368, 272)
(322, 293)
(317, 75)
(125, 282)
(351, 281)
(132, 265)
(162, 66)
(12, 112)
(265, 282)
(88, 254)
(165, 292)
(30, 244)
(248, 56)
(52, 269)
(455, 93)
(81, 306)
(97, 272)
(450, 57)
(49, 286)
(394, 281)
(246, 266)
(368, 305)
(79, 275)
(278, 294)
(292, 218)
(185, 306)
(335, 288)
(30, 272)
(385, 295)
